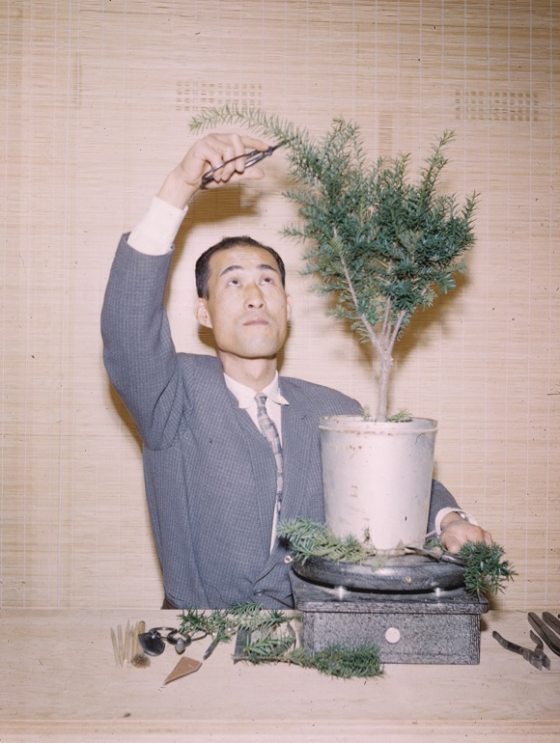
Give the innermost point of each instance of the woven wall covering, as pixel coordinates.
(96, 111)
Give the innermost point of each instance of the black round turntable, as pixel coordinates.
(409, 573)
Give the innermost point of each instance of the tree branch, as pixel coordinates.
(397, 327)
(385, 326)
(368, 326)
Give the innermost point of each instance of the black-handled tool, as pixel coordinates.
(210, 649)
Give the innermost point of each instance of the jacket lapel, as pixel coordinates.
(264, 470)
(298, 436)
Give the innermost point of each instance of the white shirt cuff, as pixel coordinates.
(443, 512)
(158, 228)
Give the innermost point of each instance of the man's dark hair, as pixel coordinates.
(202, 267)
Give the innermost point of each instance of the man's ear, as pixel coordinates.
(288, 307)
(201, 313)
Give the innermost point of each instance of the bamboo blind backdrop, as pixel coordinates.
(95, 112)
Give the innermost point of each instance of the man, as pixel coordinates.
(217, 476)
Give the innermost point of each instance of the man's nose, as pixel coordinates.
(254, 297)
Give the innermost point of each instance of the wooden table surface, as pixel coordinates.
(59, 681)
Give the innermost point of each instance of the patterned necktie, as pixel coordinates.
(269, 431)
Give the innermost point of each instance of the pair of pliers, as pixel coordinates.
(536, 657)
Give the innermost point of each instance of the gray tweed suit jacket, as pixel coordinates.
(210, 475)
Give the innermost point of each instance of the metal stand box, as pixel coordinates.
(436, 627)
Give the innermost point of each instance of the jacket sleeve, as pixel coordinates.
(440, 498)
(138, 350)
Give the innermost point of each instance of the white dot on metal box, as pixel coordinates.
(392, 635)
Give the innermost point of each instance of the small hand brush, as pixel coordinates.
(139, 659)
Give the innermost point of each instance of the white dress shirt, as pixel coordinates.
(274, 402)
(158, 228)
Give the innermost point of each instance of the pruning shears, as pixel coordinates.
(251, 158)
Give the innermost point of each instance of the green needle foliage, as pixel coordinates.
(223, 624)
(361, 662)
(273, 640)
(311, 539)
(269, 649)
(485, 572)
(216, 623)
(380, 245)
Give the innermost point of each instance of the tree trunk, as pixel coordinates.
(383, 386)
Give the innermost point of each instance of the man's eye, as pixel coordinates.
(233, 282)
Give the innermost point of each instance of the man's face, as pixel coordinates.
(247, 307)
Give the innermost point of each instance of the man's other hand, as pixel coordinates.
(455, 532)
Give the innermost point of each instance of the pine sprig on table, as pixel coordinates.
(273, 640)
(214, 623)
(361, 662)
(251, 617)
(223, 624)
(269, 649)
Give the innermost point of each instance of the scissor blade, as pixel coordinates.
(254, 157)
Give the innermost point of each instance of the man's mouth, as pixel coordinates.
(256, 321)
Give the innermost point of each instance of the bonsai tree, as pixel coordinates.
(383, 247)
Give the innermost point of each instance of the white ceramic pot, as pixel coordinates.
(377, 478)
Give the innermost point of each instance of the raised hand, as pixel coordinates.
(211, 152)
